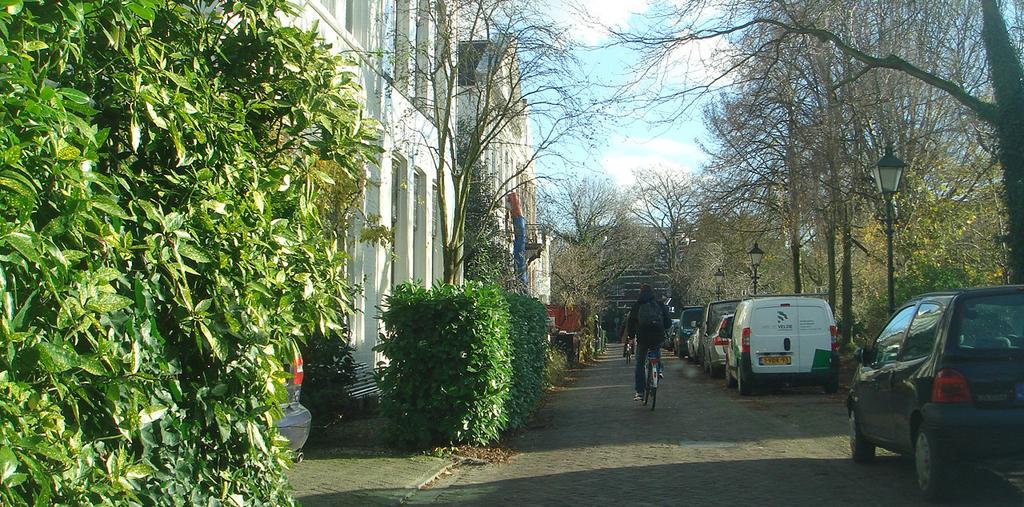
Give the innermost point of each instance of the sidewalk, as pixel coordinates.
(351, 478)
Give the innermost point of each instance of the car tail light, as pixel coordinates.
(721, 341)
(950, 386)
(745, 341)
(297, 373)
(835, 343)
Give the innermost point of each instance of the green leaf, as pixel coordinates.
(35, 45)
(139, 471)
(108, 206)
(8, 464)
(74, 96)
(153, 413)
(191, 252)
(24, 244)
(107, 302)
(56, 359)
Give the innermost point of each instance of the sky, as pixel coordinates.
(630, 144)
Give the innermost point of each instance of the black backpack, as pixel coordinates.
(649, 315)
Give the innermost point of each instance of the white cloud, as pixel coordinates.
(591, 19)
(627, 154)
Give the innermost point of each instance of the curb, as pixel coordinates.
(427, 478)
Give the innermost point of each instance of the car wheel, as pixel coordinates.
(742, 384)
(931, 465)
(861, 450)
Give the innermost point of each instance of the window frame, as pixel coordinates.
(937, 327)
(875, 361)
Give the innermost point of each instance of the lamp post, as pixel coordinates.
(888, 174)
(755, 260)
(719, 278)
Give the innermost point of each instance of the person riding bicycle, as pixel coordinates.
(647, 322)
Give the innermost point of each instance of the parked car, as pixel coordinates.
(711, 316)
(295, 422)
(716, 343)
(783, 340)
(944, 382)
(668, 343)
(688, 321)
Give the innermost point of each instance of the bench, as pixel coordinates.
(364, 384)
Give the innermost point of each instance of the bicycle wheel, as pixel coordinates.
(654, 397)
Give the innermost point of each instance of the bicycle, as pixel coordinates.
(651, 374)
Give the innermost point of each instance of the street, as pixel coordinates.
(703, 445)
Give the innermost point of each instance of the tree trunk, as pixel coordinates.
(1005, 68)
(830, 251)
(847, 278)
(794, 249)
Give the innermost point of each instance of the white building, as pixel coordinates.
(389, 39)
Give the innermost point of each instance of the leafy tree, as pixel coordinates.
(161, 247)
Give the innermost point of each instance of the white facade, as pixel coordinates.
(389, 39)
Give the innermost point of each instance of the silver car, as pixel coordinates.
(715, 348)
(707, 353)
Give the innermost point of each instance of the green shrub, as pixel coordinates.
(450, 364)
(554, 367)
(160, 246)
(528, 336)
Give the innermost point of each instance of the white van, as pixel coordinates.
(783, 340)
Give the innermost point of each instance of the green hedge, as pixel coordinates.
(160, 244)
(528, 336)
(450, 364)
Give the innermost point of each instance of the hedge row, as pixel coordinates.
(466, 362)
(160, 244)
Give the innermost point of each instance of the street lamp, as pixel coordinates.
(888, 174)
(719, 278)
(755, 260)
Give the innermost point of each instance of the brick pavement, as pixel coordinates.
(327, 479)
(704, 445)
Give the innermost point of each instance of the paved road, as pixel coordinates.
(704, 445)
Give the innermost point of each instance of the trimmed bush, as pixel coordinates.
(450, 364)
(160, 244)
(528, 336)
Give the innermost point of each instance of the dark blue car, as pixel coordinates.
(943, 382)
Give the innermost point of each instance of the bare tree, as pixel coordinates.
(500, 76)
(937, 43)
(666, 202)
(596, 240)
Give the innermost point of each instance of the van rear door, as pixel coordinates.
(814, 336)
(774, 342)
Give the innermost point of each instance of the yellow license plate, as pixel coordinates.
(776, 360)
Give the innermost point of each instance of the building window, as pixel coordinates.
(350, 16)
(331, 6)
(419, 227)
(402, 45)
(398, 228)
(422, 48)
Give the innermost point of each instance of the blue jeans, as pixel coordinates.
(641, 361)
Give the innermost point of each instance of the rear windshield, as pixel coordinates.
(989, 323)
(691, 315)
(718, 311)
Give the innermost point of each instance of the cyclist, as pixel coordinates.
(647, 322)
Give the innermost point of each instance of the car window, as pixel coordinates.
(923, 331)
(717, 312)
(990, 323)
(887, 345)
